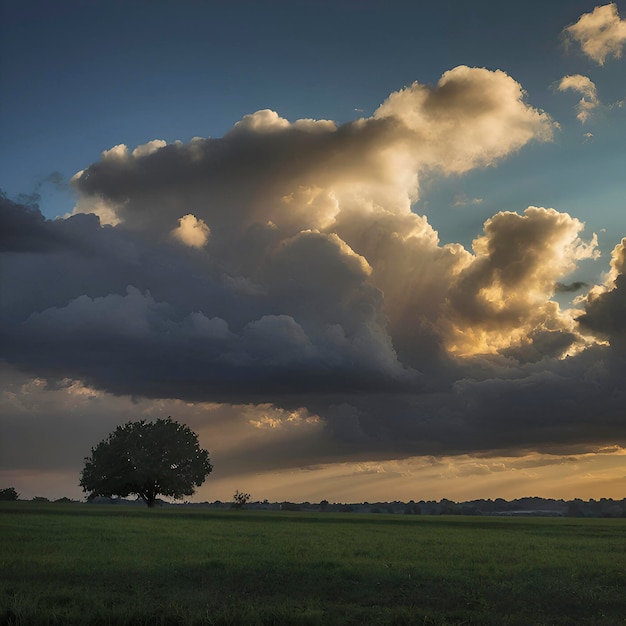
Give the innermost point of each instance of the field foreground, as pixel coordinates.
(87, 564)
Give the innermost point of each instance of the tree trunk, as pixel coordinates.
(148, 498)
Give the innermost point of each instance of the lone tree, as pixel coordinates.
(9, 494)
(146, 459)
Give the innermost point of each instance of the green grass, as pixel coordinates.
(87, 564)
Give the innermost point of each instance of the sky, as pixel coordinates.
(367, 251)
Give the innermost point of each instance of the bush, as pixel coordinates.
(240, 499)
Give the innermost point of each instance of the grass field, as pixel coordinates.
(88, 564)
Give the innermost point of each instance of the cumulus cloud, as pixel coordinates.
(149, 148)
(502, 298)
(605, 305)
(471, 118)
(191, 231)
(584, 86)
(306, 283)
(600, 34)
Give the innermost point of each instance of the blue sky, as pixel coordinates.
(306, 294)
(80, 77)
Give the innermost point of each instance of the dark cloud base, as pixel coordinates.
(474, 405)
(282, 264)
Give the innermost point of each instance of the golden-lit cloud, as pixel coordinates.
(600, 34)
(502, 297)
(473, 117)
(269, 182)
(191, 231)
(312, 317)
(584, 86)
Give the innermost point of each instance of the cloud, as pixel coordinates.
(502, 297)
(473, 117)
(306, 284)
(36, 416)
(191, 231)
(600, 33)
(56, 179)
(587, 88)
(148, 148)
(462, 200)
(23, 228)
(605, 306)
(569, 288)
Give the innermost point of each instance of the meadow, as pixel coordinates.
(90, 564)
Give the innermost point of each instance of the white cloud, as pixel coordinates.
(120, 151)
(148, 148)
(263, 121)
(584, 86)
(463, 200)
(108, 212)
(191, 231)
(600, 33)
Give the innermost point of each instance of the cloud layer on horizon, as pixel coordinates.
(283, 265)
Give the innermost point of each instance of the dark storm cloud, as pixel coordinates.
(605, 308)
(23, 228)
(282, 264)
(159, 343)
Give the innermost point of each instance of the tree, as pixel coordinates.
(146, 459)
(9, 494)
(240, 499)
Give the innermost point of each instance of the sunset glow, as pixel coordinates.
(353, 284)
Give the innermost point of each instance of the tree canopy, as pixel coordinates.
(146, 459)
(9, 494)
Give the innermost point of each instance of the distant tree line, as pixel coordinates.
(604, 507)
